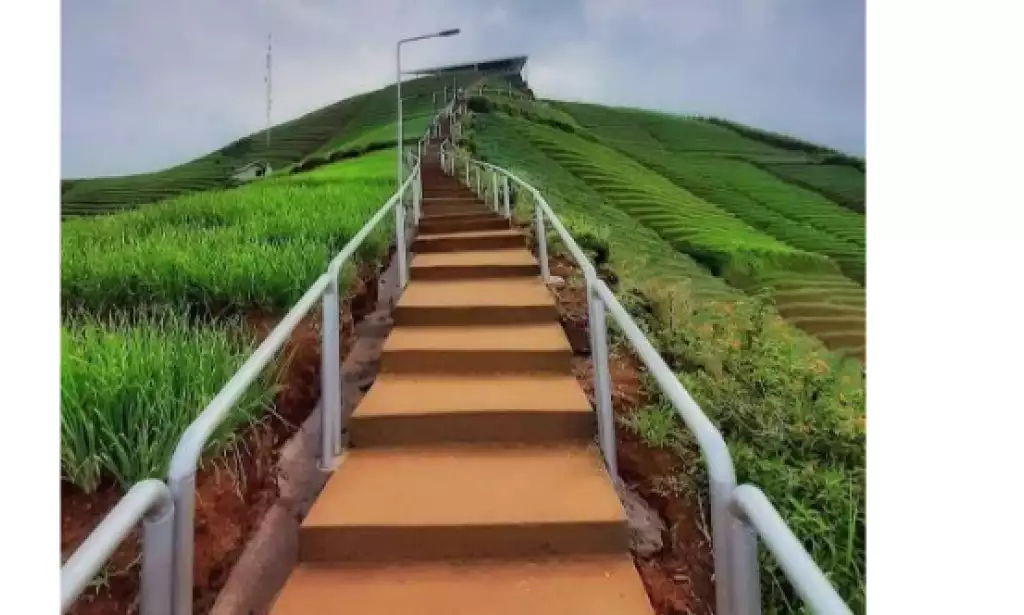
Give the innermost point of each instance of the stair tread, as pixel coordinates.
(475, 212)
(471, 234)
(518, 337)
(506, 292)
(403, 395)
(467, 486)
(598, 585)
(471, 258)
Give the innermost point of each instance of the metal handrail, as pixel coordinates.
(150, 502)
(184, 462)
(738, 514)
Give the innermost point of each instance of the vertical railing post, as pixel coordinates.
(508, 204)
(403, 274)
(479, 188)
(417, 193)
(156, 591)
(183, 490)
(542, 241)
(468, 184)
(598, 326)
(494, 189)
(722, 551)
(330, 373)
(746, 569)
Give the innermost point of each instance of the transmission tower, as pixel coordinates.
(269, 90)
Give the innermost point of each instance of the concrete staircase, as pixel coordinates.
(472, 484)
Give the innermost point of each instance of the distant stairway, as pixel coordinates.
(472, 485)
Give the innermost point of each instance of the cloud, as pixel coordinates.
(147, 85)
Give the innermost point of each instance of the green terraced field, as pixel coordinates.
(728, 170)
(708, 233)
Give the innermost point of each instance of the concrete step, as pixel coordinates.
(454, 207)
(426, 202)
(597, 585)
(478, 349)
(464, 502)
(470, 240)
(444, 192)
(410, 410)
(474, 264)
(495, 301)
(457, 223)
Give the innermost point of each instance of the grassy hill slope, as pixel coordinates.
(359, 123)
(717, 195)
(693, 234)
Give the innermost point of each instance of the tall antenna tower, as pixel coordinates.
(269, 90)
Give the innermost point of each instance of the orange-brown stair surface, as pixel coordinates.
(472, 483)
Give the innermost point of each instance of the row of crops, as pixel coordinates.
(791, 413)
(154, 302)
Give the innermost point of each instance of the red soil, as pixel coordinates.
(233, 492)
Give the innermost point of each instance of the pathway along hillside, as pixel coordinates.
(472, 483)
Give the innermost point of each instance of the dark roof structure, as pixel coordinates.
(505, 66)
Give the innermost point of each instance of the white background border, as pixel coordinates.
(945, 194)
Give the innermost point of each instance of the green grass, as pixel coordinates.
(259, 246)
(130, 386)
(791, 411)
(153, 300)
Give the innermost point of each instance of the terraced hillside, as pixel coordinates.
(792, 414)
(710, 192)
(353, 125)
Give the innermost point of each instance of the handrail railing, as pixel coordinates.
(184, 462)
(148, 501)
(168, 509)
(738, 514)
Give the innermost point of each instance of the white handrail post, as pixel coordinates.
(602, 377)
(403, 275)
(494, 189)
(508, 205)
(156, 591)
(183, 489)
(417, 193)
(330, 373)
(468, 184)
(746, 574)
(542, 242)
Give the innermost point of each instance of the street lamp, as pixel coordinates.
(398, 88)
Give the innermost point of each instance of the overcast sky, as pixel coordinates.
(149, 84)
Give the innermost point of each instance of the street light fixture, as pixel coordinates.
(398, 88)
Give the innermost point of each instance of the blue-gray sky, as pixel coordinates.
(145, 85)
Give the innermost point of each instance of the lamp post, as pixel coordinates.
(398, 88)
